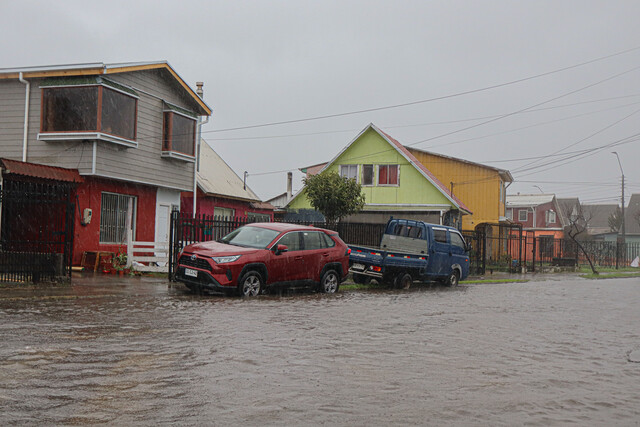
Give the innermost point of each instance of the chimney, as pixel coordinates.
(199, 90)
(289, 185)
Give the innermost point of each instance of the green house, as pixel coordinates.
(393, 181)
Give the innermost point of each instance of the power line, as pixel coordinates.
(439, 98)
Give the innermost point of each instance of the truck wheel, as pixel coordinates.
(403, 281)
(361, 279)
(330, 282)
(250, 284)
(453, 279)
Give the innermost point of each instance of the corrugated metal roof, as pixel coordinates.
(262, 205)
(216, 178)
(15, 167)
(522, 200)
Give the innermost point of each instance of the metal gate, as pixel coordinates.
(36, 231)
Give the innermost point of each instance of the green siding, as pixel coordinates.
(372, 149)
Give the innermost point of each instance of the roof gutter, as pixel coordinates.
(26, 115)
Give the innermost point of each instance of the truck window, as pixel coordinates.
(456, 240)
(440, 235)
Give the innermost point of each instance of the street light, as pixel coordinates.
(624, 239)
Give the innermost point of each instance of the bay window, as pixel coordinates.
(179, 134)
(93, 111)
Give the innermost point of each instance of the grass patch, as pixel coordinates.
(605, 275)
(587, 270)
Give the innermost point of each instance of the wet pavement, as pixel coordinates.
(140, 351)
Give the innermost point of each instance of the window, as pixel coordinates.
(117, 215)
(258, 217)
(440, 235)
(510, 214)
(349, 171)
(367, 174)
(388, 175)
(291, 241)
(456, 240)
(179, 136)
(314, 240)
(79, 110)
(551, 217)
(523, 215)
(223, 213)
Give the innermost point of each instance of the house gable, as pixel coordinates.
(417, 188)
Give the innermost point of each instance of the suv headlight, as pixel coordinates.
(225, 259)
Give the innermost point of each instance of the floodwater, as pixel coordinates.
(137, 351)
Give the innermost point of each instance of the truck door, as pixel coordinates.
(439, 258)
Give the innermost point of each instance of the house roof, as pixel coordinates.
(99, 68)
(566, 207)
(216, 178)
(402, 150)
(504, 174)
(597, 217)
(525, 200)
(15, 167)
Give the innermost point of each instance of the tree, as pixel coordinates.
(334, 196)
(578, 221)
(615, 220)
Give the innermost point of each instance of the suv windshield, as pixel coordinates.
(252, 237)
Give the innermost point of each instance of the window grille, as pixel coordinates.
(116, 216)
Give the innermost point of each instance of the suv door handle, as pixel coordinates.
(326, 254)
(298, 258)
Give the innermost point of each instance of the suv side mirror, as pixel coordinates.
(281, 249)
(467, 247)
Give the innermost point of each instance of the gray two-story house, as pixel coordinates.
(128, 129)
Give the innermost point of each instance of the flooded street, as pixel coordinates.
(140, 352)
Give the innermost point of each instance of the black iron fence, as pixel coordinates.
(186, 229)
(504, 248)
(36, 231)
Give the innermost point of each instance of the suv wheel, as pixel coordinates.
(404, 281)
(250, 284)
(330, 282)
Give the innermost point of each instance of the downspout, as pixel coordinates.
(196, 165)
(26, 115)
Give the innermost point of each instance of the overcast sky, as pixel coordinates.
(505, 83)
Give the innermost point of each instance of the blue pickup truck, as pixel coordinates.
(412, 251)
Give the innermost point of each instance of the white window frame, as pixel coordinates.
(526, 215)
(349, 169)
(373, 176)
(397, 175)
(224, 214)
(130, 221)
(509, 214)
(551, 217)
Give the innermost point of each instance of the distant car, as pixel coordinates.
(261, 255)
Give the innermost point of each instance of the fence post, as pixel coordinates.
(533, 258)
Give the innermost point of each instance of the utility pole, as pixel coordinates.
(624, 239)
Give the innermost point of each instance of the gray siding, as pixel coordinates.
(11, 118)
(143, 164)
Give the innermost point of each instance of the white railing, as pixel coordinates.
(139, 258)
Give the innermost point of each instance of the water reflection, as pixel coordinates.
(143, 352)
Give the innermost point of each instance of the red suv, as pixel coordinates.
(261, 255)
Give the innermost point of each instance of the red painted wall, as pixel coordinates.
(206, 204)
(87, 238)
